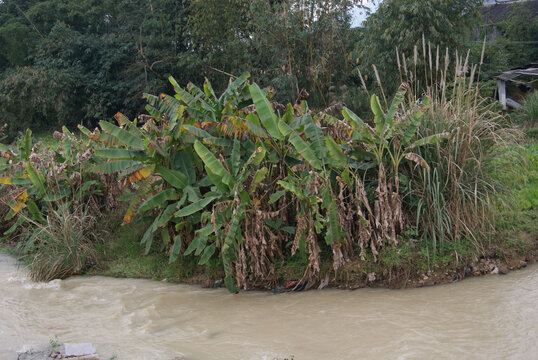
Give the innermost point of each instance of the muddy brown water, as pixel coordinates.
(494, 317)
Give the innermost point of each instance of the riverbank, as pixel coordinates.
(407, 269)
(513, 247)
(414, 263)
(121, 258)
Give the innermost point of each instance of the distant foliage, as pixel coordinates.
(105, 54)
(399, 26)
(77, 62)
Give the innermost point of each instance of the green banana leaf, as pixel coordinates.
(157, 200)
(110, 167)
(173, 177)
(379, 116)
(213, 164)
(174, 250)
(336, 154)
(122, 154)
(265, 112)
(195, 207)
(300, 145)
(123, 136)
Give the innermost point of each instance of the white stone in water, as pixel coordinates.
(79, 349)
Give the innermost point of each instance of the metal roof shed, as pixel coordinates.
(510, 76)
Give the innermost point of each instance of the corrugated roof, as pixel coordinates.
(530, 69)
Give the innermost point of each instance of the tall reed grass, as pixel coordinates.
(453, 198)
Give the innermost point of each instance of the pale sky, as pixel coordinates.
(359, 15)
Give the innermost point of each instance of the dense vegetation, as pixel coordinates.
(86, 60)
(221, 172)
(78, 62)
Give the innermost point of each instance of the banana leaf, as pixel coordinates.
(110, 167)
(195, 207)
(174, 250)
(213, 164)
(300, 145)
(173, 177)
(265, 112)
(158, 200)
(123, 136)
(336, 154)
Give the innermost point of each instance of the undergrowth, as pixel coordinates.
(122, 255)
(517, 215)
(527, 115)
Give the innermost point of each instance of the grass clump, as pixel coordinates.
(63, 245)
(517, 215)
(527, 115)
(451, 199)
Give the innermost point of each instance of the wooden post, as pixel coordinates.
(501, 86)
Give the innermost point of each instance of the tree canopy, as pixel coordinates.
(70, 62)
(403, 24)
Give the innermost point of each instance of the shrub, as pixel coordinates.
(50, 202)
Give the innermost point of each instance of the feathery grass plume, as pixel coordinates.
(362, 81)
(437, 59)
(408, 80)
(398, 63)
(453, 198)
(379, 83)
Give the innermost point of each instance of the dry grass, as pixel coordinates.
(64, 245)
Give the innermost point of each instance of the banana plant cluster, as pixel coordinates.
(191, 168)
(36, 179)
(230, 180)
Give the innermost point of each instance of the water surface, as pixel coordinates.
(494, 317)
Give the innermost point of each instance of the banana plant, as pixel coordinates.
(392, 140)
(158, 168)
(170, 164)
(312, 160)
(42, 177)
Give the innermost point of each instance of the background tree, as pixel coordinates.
(302, 44)
(402, 24)
(91, 57)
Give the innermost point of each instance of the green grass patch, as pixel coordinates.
(532, 133)
(517, 219)
(122, 255)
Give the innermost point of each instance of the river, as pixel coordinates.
(493, 317)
